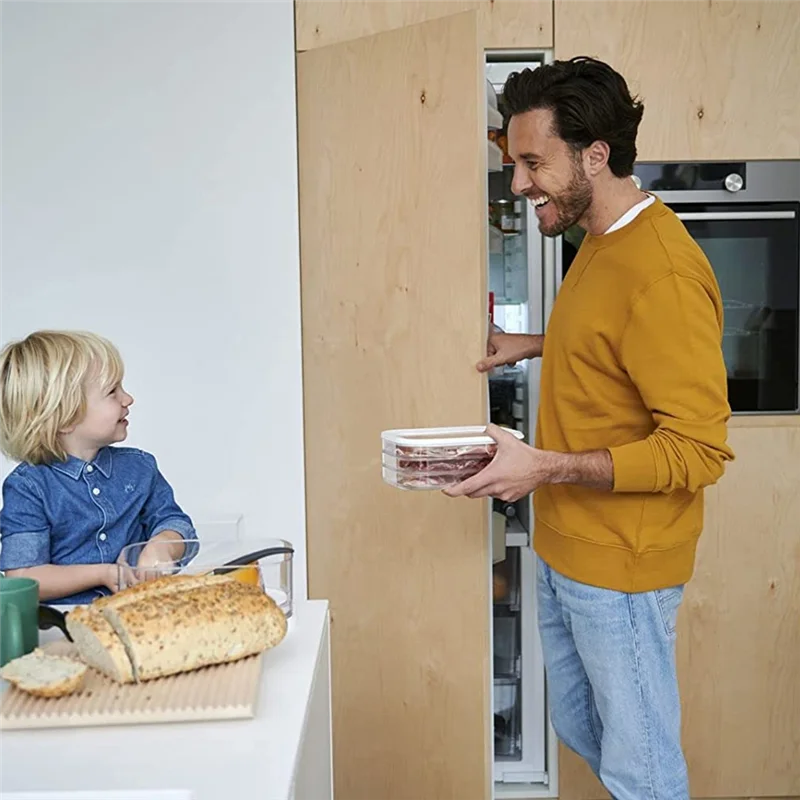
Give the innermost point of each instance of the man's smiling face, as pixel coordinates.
(548, 172)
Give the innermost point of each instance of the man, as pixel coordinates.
(632, 425)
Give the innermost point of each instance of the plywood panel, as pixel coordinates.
(502, 23)
(392, 210)
(739, 649)
(739, 631)
(719, 78)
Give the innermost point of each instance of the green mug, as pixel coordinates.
(19, 617)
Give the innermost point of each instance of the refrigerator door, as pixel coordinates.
(523, 285)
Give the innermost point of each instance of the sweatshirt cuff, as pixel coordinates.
(635, 467)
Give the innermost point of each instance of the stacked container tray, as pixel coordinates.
(433, 458)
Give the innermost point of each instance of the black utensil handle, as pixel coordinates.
(242, 561)
(50, 617)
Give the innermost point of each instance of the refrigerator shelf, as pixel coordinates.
(506, 581)
(507, 652)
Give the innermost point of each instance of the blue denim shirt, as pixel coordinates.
(76, 512)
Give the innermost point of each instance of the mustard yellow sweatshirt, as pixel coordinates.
(632, 363)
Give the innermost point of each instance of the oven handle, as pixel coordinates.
(721, 216)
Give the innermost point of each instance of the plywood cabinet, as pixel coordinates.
(719, 78)
(739, 630)
(392, 182)
(391, 120)
(501, 23)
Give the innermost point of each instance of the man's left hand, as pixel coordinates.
(516, 470)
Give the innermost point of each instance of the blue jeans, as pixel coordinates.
(612, 685)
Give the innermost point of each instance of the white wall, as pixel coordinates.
(150, 194)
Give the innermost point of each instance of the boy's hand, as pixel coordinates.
(109, 576)
(164, 548)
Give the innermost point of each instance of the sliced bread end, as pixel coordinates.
(44, 675)
(98, 644)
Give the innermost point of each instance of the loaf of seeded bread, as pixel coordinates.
(159, 586)
(98, 643)
(169, 633)
(175, 624)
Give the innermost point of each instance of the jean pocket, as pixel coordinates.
(669, 601)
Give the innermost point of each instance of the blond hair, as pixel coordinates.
(43, 381)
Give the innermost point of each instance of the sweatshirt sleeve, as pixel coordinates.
(672, 353)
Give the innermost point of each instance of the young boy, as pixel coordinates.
(75, 501)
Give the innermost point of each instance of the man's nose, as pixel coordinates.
(520, 183)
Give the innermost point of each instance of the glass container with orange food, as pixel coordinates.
(260, 562)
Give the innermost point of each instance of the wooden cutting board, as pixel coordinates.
(225, 691)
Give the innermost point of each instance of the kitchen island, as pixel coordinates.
(283, 753)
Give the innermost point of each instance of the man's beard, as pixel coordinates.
(570, 205)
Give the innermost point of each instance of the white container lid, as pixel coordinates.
(443, 437)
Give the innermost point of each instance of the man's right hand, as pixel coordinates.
(509, 348)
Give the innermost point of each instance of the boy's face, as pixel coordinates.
(105, 420)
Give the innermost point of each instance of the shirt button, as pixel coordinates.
(103, 537)
(89, 468)
(95, 491)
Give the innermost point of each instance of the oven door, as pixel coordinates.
(754, 251)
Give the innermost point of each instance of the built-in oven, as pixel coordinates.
(746, 218)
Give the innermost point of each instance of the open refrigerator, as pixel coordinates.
(522, 287)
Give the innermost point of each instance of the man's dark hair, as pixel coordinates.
(590, 102)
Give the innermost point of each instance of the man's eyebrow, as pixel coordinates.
(530, 156)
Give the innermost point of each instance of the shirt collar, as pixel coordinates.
(73, 467)
(103, 461)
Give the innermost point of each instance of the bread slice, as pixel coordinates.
(43, 675)
(213, 623)
(98, 644)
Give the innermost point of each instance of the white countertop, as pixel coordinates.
(221, 760)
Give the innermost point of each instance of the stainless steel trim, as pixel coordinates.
(793, 412)
(536, 318)
(722, 216)
(536, 266)
(558, 263)
(766, 182)
(550, 273)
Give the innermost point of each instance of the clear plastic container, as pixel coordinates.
(271, 571)
(431, 458)
(505, 580)
(507, 744)
(506, 643)
(426, 479)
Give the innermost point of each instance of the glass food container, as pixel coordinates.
(262, 562)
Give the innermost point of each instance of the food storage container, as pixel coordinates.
(431, 458)
(506, 718)
(273, 572)
(506, 643)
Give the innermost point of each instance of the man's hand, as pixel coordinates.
(518, 469)
(508, 348)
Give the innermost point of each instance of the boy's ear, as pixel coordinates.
(64, 431)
